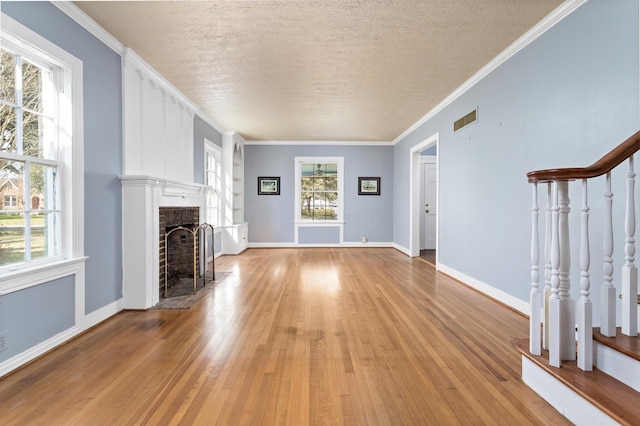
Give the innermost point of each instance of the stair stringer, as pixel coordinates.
(564, 399)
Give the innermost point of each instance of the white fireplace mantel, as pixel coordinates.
(142, 197)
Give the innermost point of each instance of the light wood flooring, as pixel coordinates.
(295, 336)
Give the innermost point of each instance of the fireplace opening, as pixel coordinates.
(180, 252)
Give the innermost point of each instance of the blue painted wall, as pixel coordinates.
(35, 314)
(102, 155)
(271, 217)
(202, 130)
(563, 101)
(319, 235)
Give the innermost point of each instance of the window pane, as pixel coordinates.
(12, 240)
(7, 76)
(331, 169)
(318, 184)
(44, 235)
(306, 208)
(331, 183)
(319, 169)
(33, 133)
(306, 169)
(31, 86)
(43, 187)
(8, 129)
(12, 183)
(307, 183)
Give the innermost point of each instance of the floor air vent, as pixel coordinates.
(466, 120)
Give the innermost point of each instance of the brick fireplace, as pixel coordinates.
(178, 253)
(142, 198)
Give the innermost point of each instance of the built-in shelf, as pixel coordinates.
(235, 235)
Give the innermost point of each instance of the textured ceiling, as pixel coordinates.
(318, 70)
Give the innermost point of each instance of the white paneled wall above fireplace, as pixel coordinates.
(158, 124)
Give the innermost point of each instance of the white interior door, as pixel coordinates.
(429, 185)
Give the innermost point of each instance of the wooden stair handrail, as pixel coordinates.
(604, 165)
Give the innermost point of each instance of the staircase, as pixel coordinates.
(590, 375)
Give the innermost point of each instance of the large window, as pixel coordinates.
(39, 145)
(214, 182)
(319, 189)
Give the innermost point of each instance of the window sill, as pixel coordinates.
(23, 278)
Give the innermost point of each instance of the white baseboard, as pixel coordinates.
(102, 314)
(402, 249)
(272, 245)
(40, 349)
(37, 350)
(490, 291)
(344, 244)
(367, 244)
(568, 403)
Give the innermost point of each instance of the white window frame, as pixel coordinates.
(299, 223)
(213, 188)
(70, 158)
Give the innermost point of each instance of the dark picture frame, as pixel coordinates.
(368, 186)
(269, 185)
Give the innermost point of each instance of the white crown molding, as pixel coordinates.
(527, 38)
(86, 22)
(90, 25)
(324, 143)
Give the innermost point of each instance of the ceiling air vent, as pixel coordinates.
(466, 120)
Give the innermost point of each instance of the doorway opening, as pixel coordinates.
(428, 203)
(423, 218)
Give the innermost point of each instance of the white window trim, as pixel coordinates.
(299, 223)
(71, 145)
(210, 146)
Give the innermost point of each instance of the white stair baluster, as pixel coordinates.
(567, 304)
(547, 269)
(535, 344)
(554, 298)
(583, 305)
(608, 291)
(629, 270)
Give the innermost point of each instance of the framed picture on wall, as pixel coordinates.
(268, 185)
(368, 186)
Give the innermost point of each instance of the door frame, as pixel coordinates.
(414, 194)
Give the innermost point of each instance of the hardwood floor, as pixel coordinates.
(429, 256)
(294, 336)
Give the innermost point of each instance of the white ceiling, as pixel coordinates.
(318, 70)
